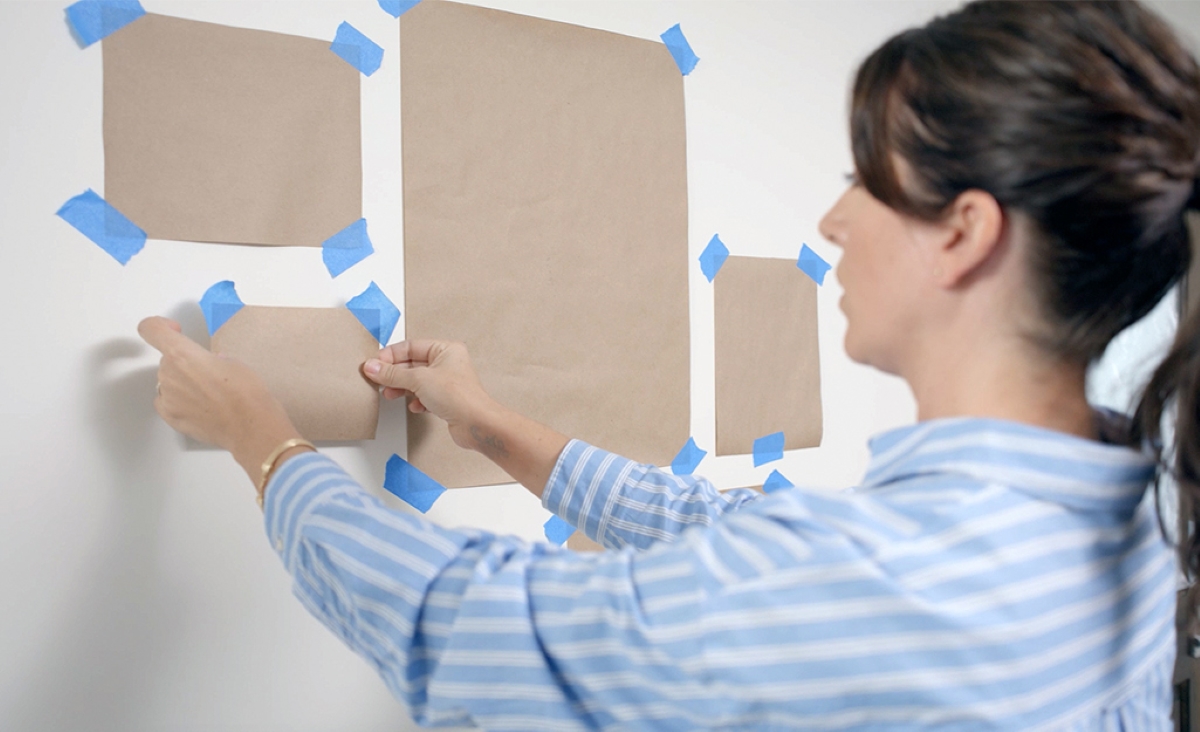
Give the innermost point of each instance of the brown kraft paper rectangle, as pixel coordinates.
(311, 360)
(545, 207)
(219, 134)
(768, 369)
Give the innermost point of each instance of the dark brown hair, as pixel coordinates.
(1084, 117)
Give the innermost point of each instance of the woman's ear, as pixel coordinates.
(968, 236)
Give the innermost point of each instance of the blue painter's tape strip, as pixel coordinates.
(812, 264)
(680, 49)
(94, 19)
(776, 482)
(220, 303)
(713, 257)
(768, 449)
(557, 531)
(376, 312)
(347, 248)
(356, 49)
(688, 458)
(103, 224)
(410, 485)
(396, 8)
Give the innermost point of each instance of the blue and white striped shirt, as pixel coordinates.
(985, 575)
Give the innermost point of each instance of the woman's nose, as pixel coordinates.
(831, 224)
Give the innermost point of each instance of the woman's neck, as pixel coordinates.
(1003, 379)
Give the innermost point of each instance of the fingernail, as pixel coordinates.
(372, 366)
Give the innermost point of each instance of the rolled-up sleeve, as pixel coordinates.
(618, 502)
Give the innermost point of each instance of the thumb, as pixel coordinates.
(397, 376)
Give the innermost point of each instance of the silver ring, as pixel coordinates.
(158, 389)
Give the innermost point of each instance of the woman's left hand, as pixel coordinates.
(214, 399)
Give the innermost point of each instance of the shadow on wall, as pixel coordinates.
(119, 635)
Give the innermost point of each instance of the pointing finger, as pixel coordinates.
(165, 335)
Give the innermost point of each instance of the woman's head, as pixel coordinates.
(1080, 122)
(1081, 118)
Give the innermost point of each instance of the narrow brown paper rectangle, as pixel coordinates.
(311, 360)
(768, 370)
(219, 134)
(545, 225)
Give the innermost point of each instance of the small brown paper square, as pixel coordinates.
(219, 134)
(768, 369)
(545, 226)
(311, 359)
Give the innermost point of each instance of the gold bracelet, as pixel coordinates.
(269, 464)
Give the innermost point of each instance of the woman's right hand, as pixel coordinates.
(439, 377)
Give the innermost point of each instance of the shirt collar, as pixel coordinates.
(1080, 473)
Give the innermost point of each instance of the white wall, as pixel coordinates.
(136, 590)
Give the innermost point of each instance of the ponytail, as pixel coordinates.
(1176, 383)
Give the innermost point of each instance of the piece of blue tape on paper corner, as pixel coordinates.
(404, 481)
(356, 49)
(812, 264)
(396, 8)
(713, 257)
(346, 248)
(680, 49)
(776, 482)
(376, 312)
(219, 304)
(93, 20)
(106, 226)
(768, 449)
(688, 458)
(557, 531)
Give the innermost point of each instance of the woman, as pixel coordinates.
(1022, 172)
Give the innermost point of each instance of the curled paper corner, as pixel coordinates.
(713, 257)
(346, 248)
(557, 531)
(776, 482)
(220, 303)
(403, 480)
(107, 227)
(688, 459)
(768, 449)
(93, 20)
(813, 265)
(376, 312)
(356, 49)
(680, 49)
(396, 8)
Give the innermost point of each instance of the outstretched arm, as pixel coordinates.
(615, 501)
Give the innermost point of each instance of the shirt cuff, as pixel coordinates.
(584, 486)
(296, 487)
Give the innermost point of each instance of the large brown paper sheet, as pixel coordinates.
(545, 226)
(768, 371)
(219, 134)
(311, 359)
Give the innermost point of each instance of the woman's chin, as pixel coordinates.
(854, 349)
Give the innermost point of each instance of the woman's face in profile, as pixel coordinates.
(881, 274)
